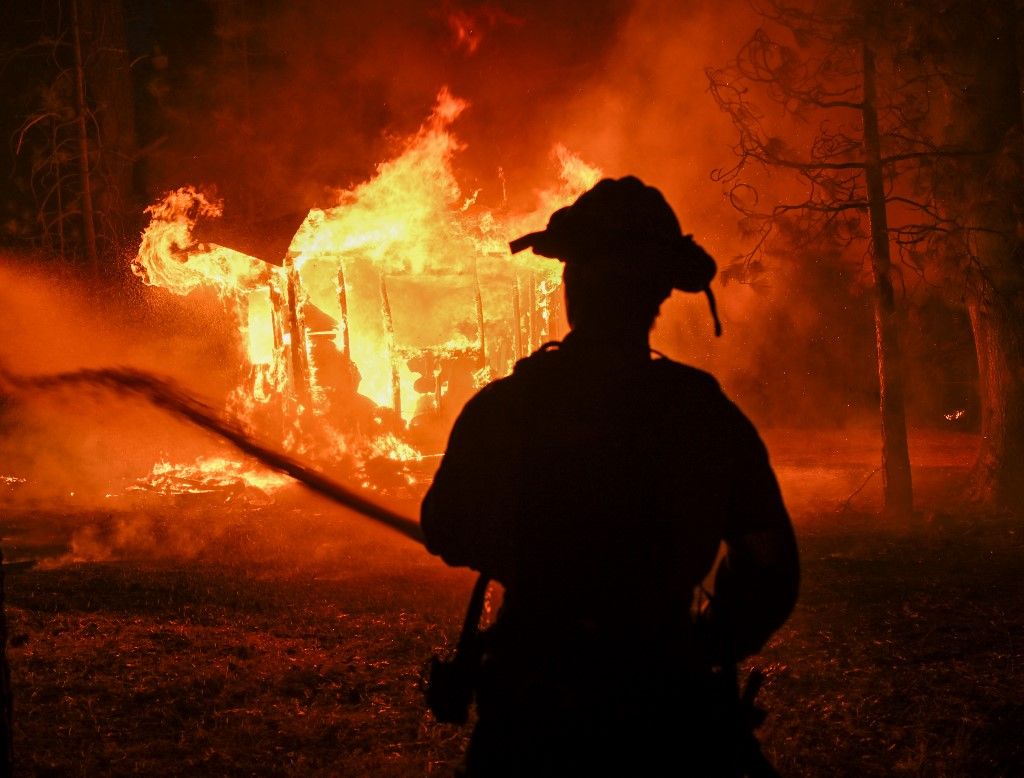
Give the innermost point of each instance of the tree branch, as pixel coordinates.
(936, 154)
(853, 205)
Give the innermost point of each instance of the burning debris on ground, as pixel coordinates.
(288, 225)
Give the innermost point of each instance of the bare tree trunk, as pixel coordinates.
(110, 88)
(998, 476)
(992, 116)
(88, 217)
(60, 207)
(896, 475)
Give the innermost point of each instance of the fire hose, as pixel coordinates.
(449, 688)
(166, 395)
(448, 694)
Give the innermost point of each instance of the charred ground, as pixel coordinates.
(900, 659)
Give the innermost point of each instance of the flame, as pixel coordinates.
(169, 258)
(210, 474)
(391, 307)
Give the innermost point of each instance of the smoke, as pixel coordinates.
(80, 447)
(74, 452)
(621, 84)
(320, 93)
(280, 107)
(799, 346)
(168, 397)
(787, 354)
(283, 104)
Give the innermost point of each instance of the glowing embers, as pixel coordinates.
(359, 346)
(210, 475)
(12, 482)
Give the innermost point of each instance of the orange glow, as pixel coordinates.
(169, 258)
(470, 27)
(390, 308)
(210, 474)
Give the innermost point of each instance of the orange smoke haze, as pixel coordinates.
(90, 476)
(621, 84)
(469, 26)
(418, 141)
(95, 445)
(335, 89)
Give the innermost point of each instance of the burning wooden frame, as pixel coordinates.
(377, 317)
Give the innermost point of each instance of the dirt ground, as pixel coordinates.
(282, 638)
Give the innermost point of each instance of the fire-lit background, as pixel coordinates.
(330, 189)
(299, 211)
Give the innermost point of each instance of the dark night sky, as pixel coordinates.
(329, 87)
(280, 100)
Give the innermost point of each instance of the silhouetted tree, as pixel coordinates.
(75, 145)
(980, 50)
(82, 136)
(835, 75)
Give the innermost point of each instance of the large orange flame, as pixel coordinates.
(391, 306)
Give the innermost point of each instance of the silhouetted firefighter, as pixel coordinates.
(597, 483)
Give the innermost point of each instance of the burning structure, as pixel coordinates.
(384, 312)
(352, 333)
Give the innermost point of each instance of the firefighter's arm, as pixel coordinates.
(465, 513)
(758, 580)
